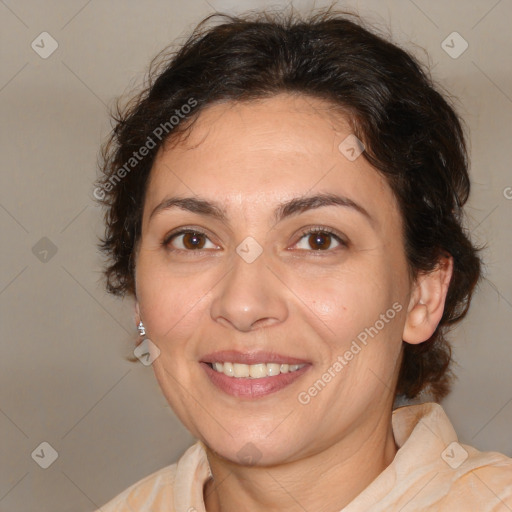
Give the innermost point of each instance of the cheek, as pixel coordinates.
(344, 304)
(170, 303)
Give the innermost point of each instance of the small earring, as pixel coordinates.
(141, 329)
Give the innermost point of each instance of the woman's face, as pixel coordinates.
(265, 244)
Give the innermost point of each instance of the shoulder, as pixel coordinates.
(165, 489)
(434, 471)
(483, 480)
(146, 494)
(456, 476)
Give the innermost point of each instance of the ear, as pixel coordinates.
(427, 301)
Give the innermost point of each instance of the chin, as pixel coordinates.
(255, 450)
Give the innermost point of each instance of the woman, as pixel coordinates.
(284, 203)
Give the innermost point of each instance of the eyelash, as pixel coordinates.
(168, 239)
(325, 231)
(307, 232)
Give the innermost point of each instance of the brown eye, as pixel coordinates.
(319, 240)
(194, 240)
(190, 241)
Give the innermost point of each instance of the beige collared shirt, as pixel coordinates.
(430, 472)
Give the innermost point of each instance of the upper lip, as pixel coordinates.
(233, 356)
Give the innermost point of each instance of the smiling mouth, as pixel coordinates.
(252, 374)
(254, 371)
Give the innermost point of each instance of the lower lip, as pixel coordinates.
(252, 388)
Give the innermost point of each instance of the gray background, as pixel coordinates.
(64, 379)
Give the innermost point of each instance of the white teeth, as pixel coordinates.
(258, 370)
(273, 369)
(254, 371)
(241, 370)
(228, 369)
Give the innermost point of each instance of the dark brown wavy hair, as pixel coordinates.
(411, 132)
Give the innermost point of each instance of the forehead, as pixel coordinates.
(252, 154)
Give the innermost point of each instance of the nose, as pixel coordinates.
(249, 297)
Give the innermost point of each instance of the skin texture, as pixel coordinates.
(294, 299)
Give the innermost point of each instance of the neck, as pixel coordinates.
(328, 480)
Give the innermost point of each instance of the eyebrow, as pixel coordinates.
(289, 208)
